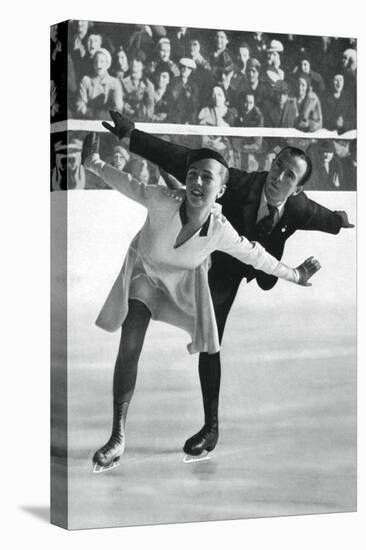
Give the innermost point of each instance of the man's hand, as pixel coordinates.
(122, 125)
(90, 146)
(343, 215)
(306, 270)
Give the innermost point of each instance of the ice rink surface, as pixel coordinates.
(288, 395)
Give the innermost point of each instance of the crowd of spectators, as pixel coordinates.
(210, 77)
(334, 161)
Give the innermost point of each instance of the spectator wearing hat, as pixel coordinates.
(185, 94)
(220, 53)
(326, 166)
(233, 82)
(338, 107)
(163, 101)
(138, 93)
(316, 79)
(68, 172)
(120, 157)
(254, 83)
(100, 93)
(218, 112)
(273, 71)
(163, 56)
(202, 74)
(310, 116)
(280, 110)
(245, 148)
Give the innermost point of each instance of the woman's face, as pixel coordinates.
(305, 66)
(100, 64)
(218, 96)
(244, 54)
(204, 183)
(122, 61)
(164, 79)
(302, 87)
(253, 75)
(221, 40)
(338, 82)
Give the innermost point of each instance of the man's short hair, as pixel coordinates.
(296, 152)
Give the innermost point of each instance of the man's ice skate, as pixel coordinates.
(199, 446)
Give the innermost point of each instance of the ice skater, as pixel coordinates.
(165, 273)
(268, 207)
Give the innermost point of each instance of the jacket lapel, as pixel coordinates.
(251, 206)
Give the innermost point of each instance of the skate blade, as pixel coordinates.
(199, 458)
(98, 469)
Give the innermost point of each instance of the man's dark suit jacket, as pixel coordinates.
(240, 205)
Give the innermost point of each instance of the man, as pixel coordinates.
(339, 108)
(185, 94)
(280, 110)
(138, 92)
(264, 206)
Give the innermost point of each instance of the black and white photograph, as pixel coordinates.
(210, 184)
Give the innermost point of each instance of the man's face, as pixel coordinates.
(100, 64)
(164, 52)
(284, 177)
(185, 71)
(248, 103)
(338, 82)
(327, 156)
(221, 40)
(94, 43)
(204, 183)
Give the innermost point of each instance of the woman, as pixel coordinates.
(162, 95)
(217, 113)
(164, 275)
(310, 116)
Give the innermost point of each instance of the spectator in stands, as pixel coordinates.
(220, 52)
(273, 71)
(163, 57)
(139, 169)
(326, 165)
(202, 75)
(349, 71)
(258, 45)
(231, 81)
(217, 113)
(310, 116)
(121, 64)
(179, 41)
(100, 93)
(77, 45)
(254, 83)
(94, 42)
(243, 57)
(120, 157)
(163, 102)
(185, 94)
(280, 110)
(143, 39)
(339, 108)
(316, 79)
(245, 148)
(68, 172)
(138, 93)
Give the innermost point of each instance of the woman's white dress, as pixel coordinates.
(173, 281)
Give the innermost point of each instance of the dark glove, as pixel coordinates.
(90, 146)
(343, 215)
(306, 270)
(122, 125)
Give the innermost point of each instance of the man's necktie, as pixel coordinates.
(265, 225)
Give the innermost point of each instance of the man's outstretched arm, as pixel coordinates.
(169, 156)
